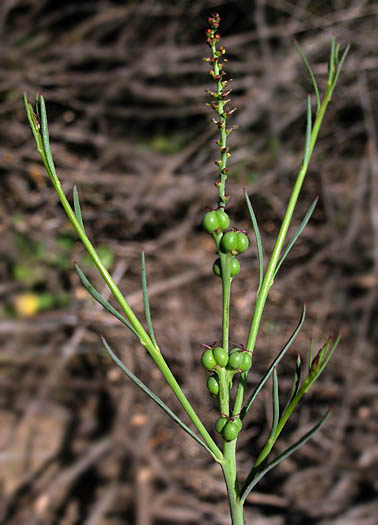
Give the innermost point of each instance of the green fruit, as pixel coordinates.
(223, 219)
(220, 424)
(213, 385)
(235, 267)
(236, 360)
(234, 242)
(220, 356)
(216, 220)
(217, 268)
(247, 362)
(208, 359)
(237, 421)
(243, 242)
(230, 431)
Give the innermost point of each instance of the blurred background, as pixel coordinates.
(125, 88)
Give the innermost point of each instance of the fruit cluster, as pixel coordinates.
(228, 427)
(232, 243)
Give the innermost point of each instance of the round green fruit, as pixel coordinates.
(237, 421)
(213, 385)
(217, 269)
(234, 242)
(220, 356)
(208, 359)
(235, 267)
(220, 424)
(236, 360)
(216, 220)
(247, 362)
(230, 431)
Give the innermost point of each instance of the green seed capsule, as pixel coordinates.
(237, 421)
(220, 424)
(234, 242)
(236, 360)
(216, 220)
(235, 267)
(230, 431)
(213, 385)
(223, 219)
(217, 268)
(220, 356)
(208, 359)
(247, 362)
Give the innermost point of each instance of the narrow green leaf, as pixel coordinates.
(262, 471)
(98, 297)
(33, 122)
(307, 154)
(258, 239)
(272, 366)
(337, 50)
(312, 76)
(276, 403)
(331, 64)
(297, 378)
(46, 139)
(339, 67)
(293, 240)
(77, 207)
(37, 105)
(329, 355)
(310, 355)
(153, 396)
(146, 302)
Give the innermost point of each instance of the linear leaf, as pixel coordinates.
(310, 355)
(273, 365)
(312, 76)
(307, 153)
(34, 124)
(276, 403)
(329, 355)
(77, 207)
(331, 64)
(98, 297)
(339, 67)
(153, 396)
(297, 378)
(292, 241)
(146, 302)
(46, 139)
(258, 239)
(261, 473)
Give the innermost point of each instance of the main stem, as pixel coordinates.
(230, 478)
(229, 447)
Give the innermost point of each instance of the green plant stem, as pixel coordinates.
(229, 448)
(171, 380)
(224, 393)
(269, 274)
(230, 477)
(144, 338)
(226, 295)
